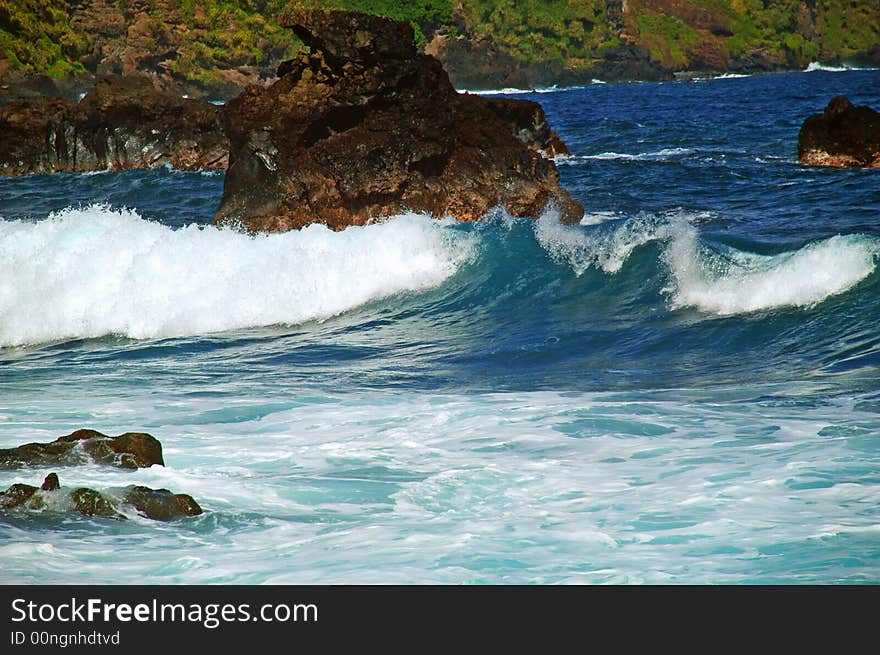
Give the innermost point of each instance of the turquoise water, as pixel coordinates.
(683, 389)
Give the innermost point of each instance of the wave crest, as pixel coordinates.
(721, 283)
(95, 271)
(746, 282)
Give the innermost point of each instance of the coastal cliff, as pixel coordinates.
(215, 48)
(124, 123)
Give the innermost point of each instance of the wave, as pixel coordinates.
(514, 90)
(92, 272)
(606, 250)
(508, 90)
(657, 155)
(742, 282)
(722, 280)
(814, 66)
(723, 76)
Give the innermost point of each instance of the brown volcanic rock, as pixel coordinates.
(363, 126)
(156, 504)
(124, 123)
(843, 136)
(132, 125)
(129, 451)
(474, 62)
(37, 136)
(161, 504)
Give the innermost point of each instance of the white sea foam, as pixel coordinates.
(817, 66)
(735, 282)
(515, 487)
(606, 250)
(725, 76)
(495, 92)
(95, 271)
(745, 282)
(655, 155)
(514, 90)
(595, 218)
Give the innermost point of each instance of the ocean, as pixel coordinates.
(683, 389)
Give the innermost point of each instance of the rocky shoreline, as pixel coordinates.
(131, 451)
(124, 123)
(360, 127)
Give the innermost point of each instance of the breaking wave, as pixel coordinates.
(719, 280)
(92, 272)
(96, 271)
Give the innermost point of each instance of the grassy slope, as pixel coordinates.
(35, 35)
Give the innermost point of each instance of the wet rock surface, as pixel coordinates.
(131, 450)
(843, 136)
(124, 123)
(156, 504)
(362, 126)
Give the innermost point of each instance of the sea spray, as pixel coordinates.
(96, 271)
(746, 282)
(734, 283)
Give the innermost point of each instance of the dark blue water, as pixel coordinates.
(683, 388)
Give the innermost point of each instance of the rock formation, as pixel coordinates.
(131, 450)
(161, 504)
(362, 126)
(476, 63)
(843, 136)
(156, 504)
(124, 123)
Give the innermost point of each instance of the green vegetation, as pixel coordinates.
(569, 30)
(35, 36)
(667, 38)
(226, 34)
(794, 33)
(426, 16)
(203, 37)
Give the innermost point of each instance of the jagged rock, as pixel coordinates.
(156, 504)
(124, 123)
(129, 451)
(527, 122)
(843, 136)
(363, 126)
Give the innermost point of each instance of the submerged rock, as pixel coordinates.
(131, 450)
(156, 504)
(362, 126)
(124, 123)
(20, 495)
(843, 136)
